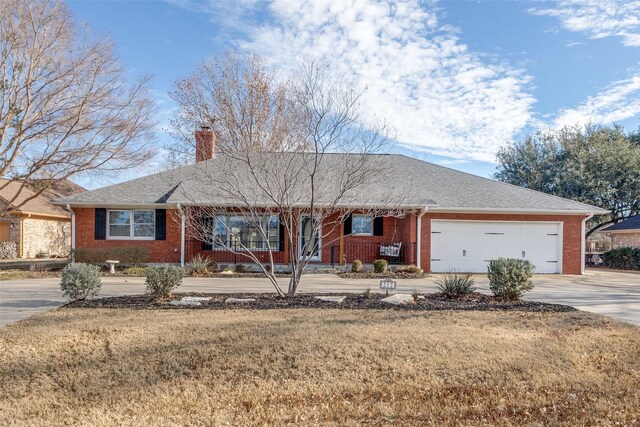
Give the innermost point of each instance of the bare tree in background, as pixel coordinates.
(290, 154)
(65, 105)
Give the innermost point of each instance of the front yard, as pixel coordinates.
(206, 367)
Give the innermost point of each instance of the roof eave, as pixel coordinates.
(596, 211)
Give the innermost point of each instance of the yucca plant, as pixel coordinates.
(199, 266)
(454, 285)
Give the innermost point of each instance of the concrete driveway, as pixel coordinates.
(614, 294)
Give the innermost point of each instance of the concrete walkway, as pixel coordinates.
(615, 294)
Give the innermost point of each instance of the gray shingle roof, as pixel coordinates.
(631, 223)
(420, 183)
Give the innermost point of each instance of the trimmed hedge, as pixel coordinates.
(626, 258)
(510, 278)
(162, 280)
(126, 255)
(80, 281)
(380, 265)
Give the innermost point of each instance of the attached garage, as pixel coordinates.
(468, 246)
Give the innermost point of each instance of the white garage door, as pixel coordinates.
(467, 246)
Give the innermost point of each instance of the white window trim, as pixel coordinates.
(362, 234)
(130, 237)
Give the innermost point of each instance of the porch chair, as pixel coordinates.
(392, 250)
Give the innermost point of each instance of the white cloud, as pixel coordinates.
(619, 101)
(598, 18)
(440, 97)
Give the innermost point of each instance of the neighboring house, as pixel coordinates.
(452, 220)
(598, 242)
(625, 233)
(38, 225)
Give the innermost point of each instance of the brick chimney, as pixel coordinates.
(205, 144)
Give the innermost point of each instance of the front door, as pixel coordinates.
(309, 241)
(4, 231)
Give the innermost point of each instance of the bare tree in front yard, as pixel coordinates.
(291, 154)
(66, 107)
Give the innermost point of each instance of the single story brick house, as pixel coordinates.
(625, 233)
(37, 225)
(451, 220)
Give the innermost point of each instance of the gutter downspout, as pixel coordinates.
(73, 233)
(183, 224)
(419, 237)
(583, 242)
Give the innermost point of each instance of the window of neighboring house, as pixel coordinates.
(232, 231)
(362, 225)
(131, 224)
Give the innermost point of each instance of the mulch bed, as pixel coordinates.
(373, 275)
(435, 301)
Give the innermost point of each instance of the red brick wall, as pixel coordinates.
(395, 230)
(159, 250)
(571, 235)
(400, 229)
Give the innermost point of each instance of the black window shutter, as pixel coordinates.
(347, 224)
(378, 226)
(100, 227)
(207, 224)
(281, 232)
(161, 224)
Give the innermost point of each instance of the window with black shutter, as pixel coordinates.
(378, 226)
(161, 224)
(100, 226)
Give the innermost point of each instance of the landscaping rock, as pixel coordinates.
(399, 299)
(227, 272)
(271, 300)
(421, 297)
(196, 299)
(337, 299)
(186, 303)
(238, 300)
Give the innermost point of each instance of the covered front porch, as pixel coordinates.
(358, 238)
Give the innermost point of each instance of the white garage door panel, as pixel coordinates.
(467, 246)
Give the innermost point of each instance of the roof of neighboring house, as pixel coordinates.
(42, 204)
(629, 224)
(419, 183)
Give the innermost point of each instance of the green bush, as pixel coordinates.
(356, 266)
(409, 269)
(125, 254)
(161, 281)
(240, 268)
(380, 265)
(510, 278)
(80, 281)
(454, 285)
(622, 258)
(135, 271)
(199, 266)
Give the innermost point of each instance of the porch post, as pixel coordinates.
(341, 260)
(73, 233)
(419, 238)
(182, 235)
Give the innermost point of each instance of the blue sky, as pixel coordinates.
(456, 79)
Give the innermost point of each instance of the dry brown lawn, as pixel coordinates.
(333, 367)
